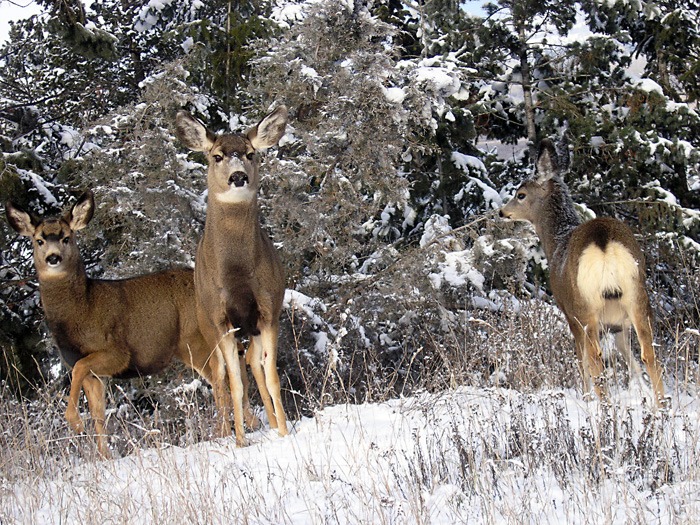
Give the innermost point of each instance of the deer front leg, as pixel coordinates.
(86, 375)
(622, 343)
(210, 365)
(106, 363)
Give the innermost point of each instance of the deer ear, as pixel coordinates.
(82, 211)
(269, 130)
(547, 162)
(20, 220)
(192, 132)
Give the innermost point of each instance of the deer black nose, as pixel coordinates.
(53, 259)
(238, 179)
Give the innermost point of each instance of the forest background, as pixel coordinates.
(411, 122)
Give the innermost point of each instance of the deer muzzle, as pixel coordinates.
(53, 260)
(238, 179)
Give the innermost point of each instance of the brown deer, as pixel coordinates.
(596, 272)
(239, 279)
(113, 328)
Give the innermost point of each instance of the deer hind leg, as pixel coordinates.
(267, 342)
(623, 344)
(255, 359)
(579, 338)
(642, 326)
(251, 421)
(594, 357)
(229, 350)
(95, 394)
(211, 366)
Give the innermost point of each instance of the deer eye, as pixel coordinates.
(218, 158)
(39, 242)
(66, 240)
(520, 196)
(250, 156)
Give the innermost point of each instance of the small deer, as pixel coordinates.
(239, 278)
(597, 272)
(113, 328)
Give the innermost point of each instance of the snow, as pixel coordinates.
(436, 227)
(285, 13)
(149, 14)
(187, 44)
(460, 456)
(313, 76)
(188, 388)
(298, 301)
(597, 142)
(40, 185)
(457, 270)
(310, 72)
(440, 79)
(648, 85)
(69, 136)
(395, 95)
(663, 195)
(469, 164)
(465, 162)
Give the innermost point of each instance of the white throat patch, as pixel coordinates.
(236, 195)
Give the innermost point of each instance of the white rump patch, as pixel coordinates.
(612, 270)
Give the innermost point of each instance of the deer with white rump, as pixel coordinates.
(596, 272)
(239, 279)
(113, 328)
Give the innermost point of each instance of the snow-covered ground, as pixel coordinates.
(463, 456)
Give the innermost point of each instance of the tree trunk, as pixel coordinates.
(526, 83)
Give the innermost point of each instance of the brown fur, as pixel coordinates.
(113, 328)
(239, 278)
(597, 272)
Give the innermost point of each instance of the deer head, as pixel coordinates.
(233, 175)
(56, 252)
(533, 194)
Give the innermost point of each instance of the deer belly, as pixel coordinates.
(149, 359)
(134, 370)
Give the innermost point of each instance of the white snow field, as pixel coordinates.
(463, 456)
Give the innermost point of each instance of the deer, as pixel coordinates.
(113, 328)
(239, 277)
(596, 272)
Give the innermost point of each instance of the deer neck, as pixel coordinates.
(232, 234)
(65, 297)
(555, 225)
